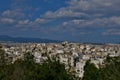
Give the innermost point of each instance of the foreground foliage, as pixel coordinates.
(111, 70)
(27, 69)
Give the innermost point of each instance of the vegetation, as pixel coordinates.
(111, 70)
(27, 69)
(91, 72)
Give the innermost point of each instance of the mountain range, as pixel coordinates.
(6, 38)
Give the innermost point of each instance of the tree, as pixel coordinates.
(27, 69)
(91, 72)
(2, 58)
(2, 64)
(111, 71)
(53, 70)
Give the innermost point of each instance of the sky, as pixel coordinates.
(71, 20)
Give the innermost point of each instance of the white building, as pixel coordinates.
(80, 68)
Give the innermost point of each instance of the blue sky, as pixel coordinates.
(72, 20)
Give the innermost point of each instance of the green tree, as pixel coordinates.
(3, 64)
(111, 70)
(27, 69)
(91, 72)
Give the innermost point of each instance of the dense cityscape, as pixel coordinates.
(73, 55)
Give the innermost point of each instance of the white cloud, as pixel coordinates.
(94, 4)
(41, 21)
(79, 13)
(115, 19)
(72, 22)
(13, 14)
(64, 12)
(112, 32)
(6, 21)
(85, 8)
(23, 22)
(96, 23)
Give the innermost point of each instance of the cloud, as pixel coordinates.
(24, 22)
(13, 14)
(86, 9)
(6, 21)
(73, 22)
(94, 4)
(41, 21)
(64, 12)
(86, 16)
(112, 32)
(78, 17)
(115, 19)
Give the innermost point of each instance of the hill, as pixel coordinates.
(5, 38)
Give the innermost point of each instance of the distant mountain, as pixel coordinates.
(5, 38)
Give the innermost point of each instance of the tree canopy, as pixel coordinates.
(111, 70)
(27, 69)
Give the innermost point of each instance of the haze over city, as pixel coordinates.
(71, 20)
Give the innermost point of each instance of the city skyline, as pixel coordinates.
(72, 20)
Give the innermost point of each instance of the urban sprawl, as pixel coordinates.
(72, 55)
